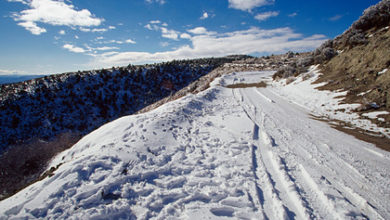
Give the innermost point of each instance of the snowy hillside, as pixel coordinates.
(79, 102)
(244, 153)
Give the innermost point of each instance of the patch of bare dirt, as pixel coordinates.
(368, 136)
(247, 85)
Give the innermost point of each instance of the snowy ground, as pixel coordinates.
(249, 153)
(326, 103)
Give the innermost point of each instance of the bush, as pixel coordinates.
(323, 53)
(356, 38)
(375, 16)
(305, 61)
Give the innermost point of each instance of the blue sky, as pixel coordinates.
(54, 36)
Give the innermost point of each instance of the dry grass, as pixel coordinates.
(356, 70)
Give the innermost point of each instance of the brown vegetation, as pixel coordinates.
(23, 164)
(247, 85)
(368, 136)
(358, 70)
(357, 61)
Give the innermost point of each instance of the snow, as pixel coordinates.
(382, 72)
(249, 153)
(374, 115)
(325, 104)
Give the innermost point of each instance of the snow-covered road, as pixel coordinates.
(246, 153)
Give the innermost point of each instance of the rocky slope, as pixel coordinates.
(357, 61)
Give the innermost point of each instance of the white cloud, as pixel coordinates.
(91, 51)
(161, 2)
(248, 5)
(170, 34)
(76, 37)
(21, 1)
(152, 27)
(264, 16)
(105, 48)
(204, 16)
(99, 30)
(185, 36)
(250, 41)
(51, 12)
(32, 27)
(198, 30)
(111, 27)
(62, 32)
(116, 41)
(335, 18)
(164, 44)
(165, 32)
(293, 14)
(74, 49)
(130, 41)
(93, 29)
(85, 29)
(11, 72)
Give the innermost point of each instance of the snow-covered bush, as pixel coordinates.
(376, 16)
(82, 101)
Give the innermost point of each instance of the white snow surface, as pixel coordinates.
(249, 153)
(374, 115)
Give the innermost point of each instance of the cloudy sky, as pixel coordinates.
(54, 36)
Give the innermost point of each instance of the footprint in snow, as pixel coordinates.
(223, 211)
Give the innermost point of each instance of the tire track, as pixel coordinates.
(281, 170)
(293, 204)
(277, 171)
(268, 197)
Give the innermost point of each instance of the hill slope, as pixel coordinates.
(363, 60)
(356, 62)
(80, 102)
(241, 153)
